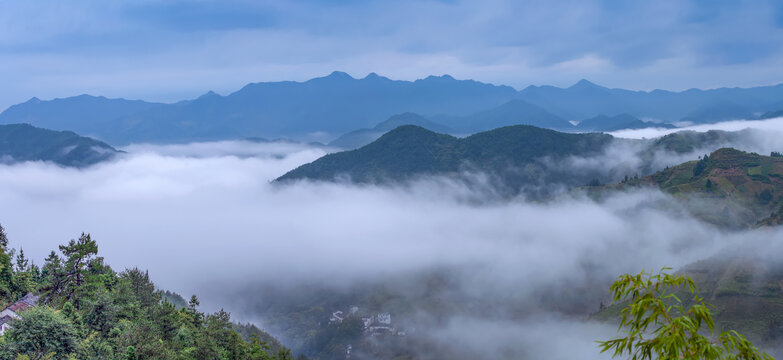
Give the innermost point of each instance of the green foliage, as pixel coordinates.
(701, 165)
(68, 281)
(130, 353)
(89, 311)
(102, 315)
(42, 331)
(658, 325)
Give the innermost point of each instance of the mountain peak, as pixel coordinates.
(339, 75)
(209, 94)
(585, 84)
(442, 77)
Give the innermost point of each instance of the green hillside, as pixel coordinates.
(729, 187)
(745, 292)
(510, 153)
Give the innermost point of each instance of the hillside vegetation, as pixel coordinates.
(87, 310)
(407, 152)
(728, 187)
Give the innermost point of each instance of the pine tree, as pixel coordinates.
(77, 255)
(52, 278)
(3, 239)
(193, 303)
(21, 261)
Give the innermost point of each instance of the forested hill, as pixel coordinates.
(518, 158)
(87, 310)
(729, 187)
(411, 151)
(23, 142)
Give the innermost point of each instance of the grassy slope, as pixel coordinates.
(734, 189)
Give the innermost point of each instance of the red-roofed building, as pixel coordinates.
(12, 311)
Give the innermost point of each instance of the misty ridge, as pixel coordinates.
(350, 112)
(465, 268)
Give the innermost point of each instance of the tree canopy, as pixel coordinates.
(89, 311)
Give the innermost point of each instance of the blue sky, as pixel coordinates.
(170, 50)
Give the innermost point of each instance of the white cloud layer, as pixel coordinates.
(772, 127)
(204, 219)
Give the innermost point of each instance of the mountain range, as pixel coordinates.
(323, 108)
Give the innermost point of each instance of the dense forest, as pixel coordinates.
(86, 310)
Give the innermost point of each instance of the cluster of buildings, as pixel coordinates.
(12, 311)
(374, 325)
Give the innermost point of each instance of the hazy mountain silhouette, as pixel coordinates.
(514, 112)
(619, 122)
(24, 142)
(361, 137)
(338, 104)
(333, 104)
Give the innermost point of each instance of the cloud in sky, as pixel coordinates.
(169, 50)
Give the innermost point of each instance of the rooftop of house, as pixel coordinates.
(24, 303)
(29, 299)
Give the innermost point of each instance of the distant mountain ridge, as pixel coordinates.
(361, 137)
(338, 103)
(333, 104)
(585, 99)
(614, 123)
(24, 142)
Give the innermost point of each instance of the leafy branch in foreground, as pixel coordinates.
(658, 325)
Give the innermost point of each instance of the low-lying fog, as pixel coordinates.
(205, 219)
(774, 124)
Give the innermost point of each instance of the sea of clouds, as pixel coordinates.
(208, 219)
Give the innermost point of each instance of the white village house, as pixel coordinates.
(12, 311)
